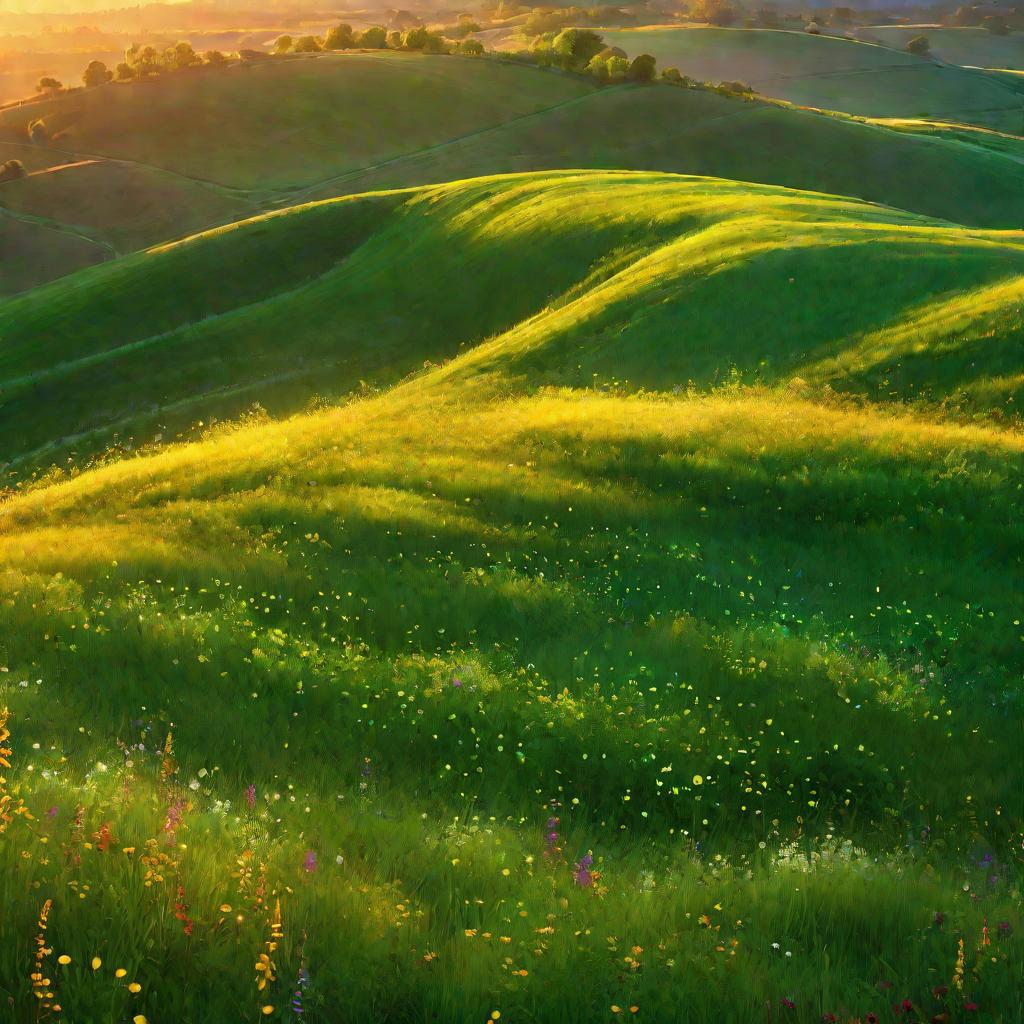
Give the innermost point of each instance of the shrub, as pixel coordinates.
(283, 44)
(215, 59)
(307, 44)
(598, 67)
(96, 73)
(374, 38)
(642, 69)
(734, 89)
(672, 75)
(50, 85)
(574, 47)
(618, 69)
(181, 56)
(435, 43)
(471, 48)
(11, 170)
(339, 38)
(124, 72)
(995, 24)
(919, 45)
(813, 28)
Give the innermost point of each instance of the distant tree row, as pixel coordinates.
(418, 38)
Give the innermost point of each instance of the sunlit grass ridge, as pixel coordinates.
(540, 664)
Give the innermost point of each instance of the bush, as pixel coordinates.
(50, 85)
(813, 28)
(373, 38)
(996, 25)
(339, 38)
(307, 44)
(12, 170)
(283, 44)
(215, 59)
(575, 47)
(181, 56)
(598, 67)
(642, 69)
(96, 73)
(471, 48)
(672, 75)
(124, 72)
(919, 45)
(435, 43)
(734, 89)
(618, 69)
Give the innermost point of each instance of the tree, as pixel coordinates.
(575, 47)
(715, 12)
(96, 73)
(339, 38)
(672, 75)
(373, 38)
(435, 43)
(618, 69)
(996, 25)
(395, 39)
(282, 44)
(38, 132)
(11, 170)
(215, 59)
(471, 48)
(919, 45)
(598, 67)
(414, 38)
(181, 56)
(307, 44)
(642, 69)
(124, 72)
(49, 85)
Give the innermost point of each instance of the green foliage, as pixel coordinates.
(373, 38)
(339, 38)
(215, 59)
(714, 12)
(919, 45)
(283, 44)
(96, 73)
(471, 47)
(48, 84)
(306, 44)
(575, 47)
(642, 68)
(124, 72)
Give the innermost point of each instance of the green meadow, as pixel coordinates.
(833, 74)
(484, 546)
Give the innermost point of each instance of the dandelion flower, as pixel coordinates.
(64, 960)
(97, 963)
(698, 780)
(139, 1018)
(134, 987)
(267, 1010)
(120, 972)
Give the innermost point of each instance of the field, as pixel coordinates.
(456, 568)
(831, 74)
(970, 47)
(128, 183)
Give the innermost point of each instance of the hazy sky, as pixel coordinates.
(65, 6)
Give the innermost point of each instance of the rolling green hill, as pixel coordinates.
(972, 47)
(832, 74)
(575, 276)
(362, 690)
(128, 156)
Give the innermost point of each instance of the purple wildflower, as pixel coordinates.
(581, 873)
(250, 796)
(309, 864)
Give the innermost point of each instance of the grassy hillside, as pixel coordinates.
(832, 74)
(131, 158)
(125, 205)
(33, 251)
(279, 124)
(972, 47)
(400, 668)
(652, 280)
(697, 132)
